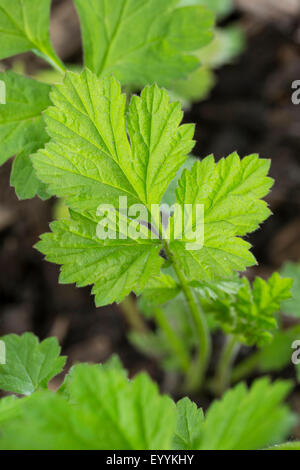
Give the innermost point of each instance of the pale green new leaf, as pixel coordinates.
(115, 267)
(250, 312)
(91, 160)
(30, 365)
(143, 41)
(24, 26)
(230, 192)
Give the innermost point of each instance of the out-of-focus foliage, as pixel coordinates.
(292, 305)
(98, 407)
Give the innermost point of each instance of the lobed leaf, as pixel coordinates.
(115, 267)
(248, 420)
(22, 130)
(190, 420)
(231, 192)
(98, 409)
(30, 365)
(90, 158)
(250, 312)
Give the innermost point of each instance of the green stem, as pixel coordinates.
(245, 368)
(198, 368)
(224, 368)
(132, 315)
(52, 59)
(174, 340)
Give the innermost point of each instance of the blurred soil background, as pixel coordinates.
(249, 110)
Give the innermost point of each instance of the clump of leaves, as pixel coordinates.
(98, 407)
(99, 151)
(277, 355)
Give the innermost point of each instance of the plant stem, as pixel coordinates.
(223, 372)
(132, 315)
(174, 340)
(198, 368)
(52, 59)
(245, 368)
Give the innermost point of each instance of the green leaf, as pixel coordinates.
(115, 267)
(190, 419)
(248, 420)
(292, 306)
(97, 154)
(170, 195)
(10, 408)
(100, 409)
(30, 365)
(249, 313)
(24, 26)
(23, 176)
(140, 41)
(21, 123)
(231, 192)
(90, 159)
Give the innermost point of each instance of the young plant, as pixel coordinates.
(100, 152)
(139, 42)
(98, 407)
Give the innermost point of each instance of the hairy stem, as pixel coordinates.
(198, 368)
(174, 340)
(132, 316)
(223, 373)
